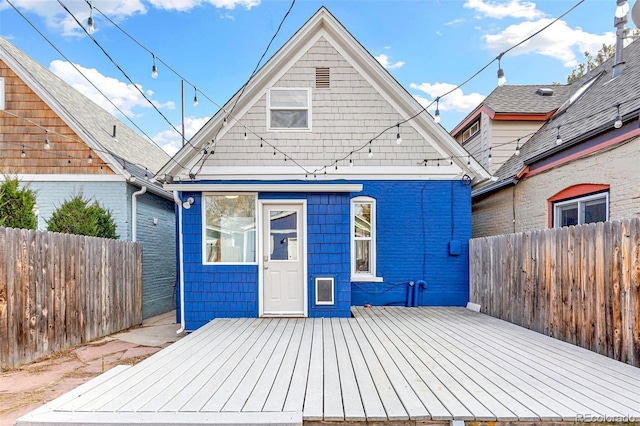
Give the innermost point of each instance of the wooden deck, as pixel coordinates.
(396, 365)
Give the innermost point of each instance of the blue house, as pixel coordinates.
(320, 185)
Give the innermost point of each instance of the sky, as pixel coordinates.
(429, 46)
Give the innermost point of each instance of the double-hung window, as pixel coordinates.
(289, 109)
(229, 228)
(363, 239)
(579, 211)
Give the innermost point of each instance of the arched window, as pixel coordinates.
(579, 204)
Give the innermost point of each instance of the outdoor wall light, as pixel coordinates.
(187, 204)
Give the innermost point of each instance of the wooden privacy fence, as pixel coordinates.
(59, 290)
(580, 284)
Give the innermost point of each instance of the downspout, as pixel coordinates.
(134, 213)
(180, 262)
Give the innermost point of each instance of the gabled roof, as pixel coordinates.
(527, 99)
(519, 102)
(325, 24)
(91, 123)
(590, 112)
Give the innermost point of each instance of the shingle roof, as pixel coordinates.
(523, 99)
(85, 114)
(595, 108)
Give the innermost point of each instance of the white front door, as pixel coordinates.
(283, 260)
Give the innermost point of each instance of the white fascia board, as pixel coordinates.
(430, 172)
(68, 178)
(267, 187)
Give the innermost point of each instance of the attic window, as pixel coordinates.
(544, 91)
(323, 80)
(471, 131)
(289, 109)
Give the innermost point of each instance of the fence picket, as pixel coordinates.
(58, 290)
(580, 284)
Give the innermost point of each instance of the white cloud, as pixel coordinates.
(171, 141)
(454, 22)
(559, 41)
(455, 101)
(184, 5)
(499, 10)
(124, 96)
(59, 20)
(384, 60)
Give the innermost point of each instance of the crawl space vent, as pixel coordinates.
(323, 80)
(324, 291)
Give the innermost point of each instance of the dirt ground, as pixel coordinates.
(28, 387)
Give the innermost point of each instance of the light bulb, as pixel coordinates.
(518, 147)
(23, 154)
(489, 154)
(437, 117)
(245, 136)
(622, 9)
(90, 159)
(618, 123)
(195, 100)
(398, 138)
(47, 145)
(502, 80)
(154, 71)
(350, 162)
(90, 27)
(224, 122)
(370, 153)
(558, 139)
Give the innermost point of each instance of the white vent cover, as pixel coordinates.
(325, 291)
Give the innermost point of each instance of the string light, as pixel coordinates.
(69, 159)
(23, 154)
(47, 144)
(245, 134)
(618, 122)
(90, 27)
(195, 96)
(398, 138)
(154, 68)
(90, 159)
(224, 121)
(502, 80)
(261, 143)
(489, 154)
(437, 116)
(518, 147)
(558, 137)
(350, 162)
(468, 160)
(370, 154)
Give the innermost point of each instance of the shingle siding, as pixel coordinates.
(416, 220)
(342, 120)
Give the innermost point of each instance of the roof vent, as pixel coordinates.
(544, 91)
(323, 80)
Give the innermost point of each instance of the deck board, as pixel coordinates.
(384, 364)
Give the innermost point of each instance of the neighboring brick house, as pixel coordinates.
(509, 113)
(272, 226)
(582, 166)
(60, 143)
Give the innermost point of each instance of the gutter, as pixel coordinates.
(493, 187)
(134, 213)
(177, 200)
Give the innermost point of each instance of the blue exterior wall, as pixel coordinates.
(416, 221)
(158, 251)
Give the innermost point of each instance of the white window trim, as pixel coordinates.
(287, 129)
(2, 92)
(580, 201)
(359, 276)
(204, 226)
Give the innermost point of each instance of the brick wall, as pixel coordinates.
(416, 220)
(617, 166)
